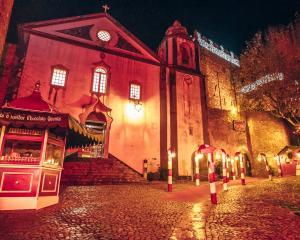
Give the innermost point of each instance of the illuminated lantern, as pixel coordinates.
(218, 155)
(298, 163)
(234, 111)
(171, 155)
(277, 158)
(204, 148)
(298, 155)
(224, 168)
(145, 173)
(240, 157)
(134, 111)
(227, 167)
(138, 106)
(198, 157)
(232, 160)
(259, 158)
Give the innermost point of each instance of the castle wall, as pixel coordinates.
(218, 79)
(268, 135)
(261, 133)
(222, 133)
(221, 103)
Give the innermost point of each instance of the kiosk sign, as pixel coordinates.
(33, 117)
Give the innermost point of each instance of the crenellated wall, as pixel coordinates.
(218, 78)
(261, 133)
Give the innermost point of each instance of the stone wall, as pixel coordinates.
(221, 131)
(263, 134)
(218, 79)
(268, 135)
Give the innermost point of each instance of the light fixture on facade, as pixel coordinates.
(233, 110)
(138, 106)
(134, 111)
(260, 157)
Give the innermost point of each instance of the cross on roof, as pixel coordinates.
(105, 7)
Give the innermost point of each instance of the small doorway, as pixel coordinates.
(96, 123)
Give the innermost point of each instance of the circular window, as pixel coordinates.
(103, 36)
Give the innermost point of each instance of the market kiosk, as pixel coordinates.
(32, 149)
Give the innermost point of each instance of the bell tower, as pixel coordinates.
(178, 48)
(181, 98)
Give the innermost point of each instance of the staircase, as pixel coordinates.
(93, 171)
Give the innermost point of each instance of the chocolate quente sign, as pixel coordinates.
(27, 118)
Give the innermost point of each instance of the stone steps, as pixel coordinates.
(93, 171)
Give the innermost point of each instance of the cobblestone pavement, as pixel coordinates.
(100, 212)
(261, 210)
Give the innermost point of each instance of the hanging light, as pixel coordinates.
(298, 154)
(198, 156)
(138, 106)
(171, 152)
(259, 158)
(218, 155)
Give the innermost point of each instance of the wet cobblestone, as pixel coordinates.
(261, 210)
(100, 212)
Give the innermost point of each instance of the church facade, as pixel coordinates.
(139, 101)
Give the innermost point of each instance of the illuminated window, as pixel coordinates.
(135, 91)
(103, 36)
(100, 80)
(59, 76)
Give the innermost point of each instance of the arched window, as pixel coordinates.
(185, 54)
(100, 80)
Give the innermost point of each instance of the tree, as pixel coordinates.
(269, 76)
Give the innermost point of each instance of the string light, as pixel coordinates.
(266, 79)
(220, 52)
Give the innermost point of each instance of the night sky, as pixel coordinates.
(228, 22)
